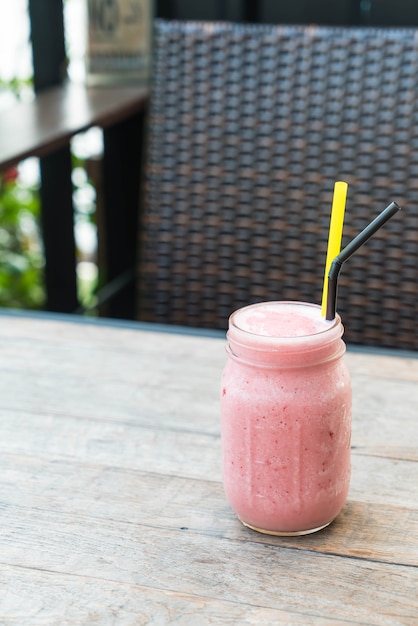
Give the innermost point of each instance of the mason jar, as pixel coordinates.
(286, 418)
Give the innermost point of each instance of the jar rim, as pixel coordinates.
(329, 325)
(295, 351)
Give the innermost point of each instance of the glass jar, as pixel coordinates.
(286, 418)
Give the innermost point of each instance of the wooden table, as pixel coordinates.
(44, 128)
(48, 123)
(112, 507)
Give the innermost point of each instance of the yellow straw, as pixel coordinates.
(335, 234)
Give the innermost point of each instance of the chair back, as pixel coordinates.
(249, 128)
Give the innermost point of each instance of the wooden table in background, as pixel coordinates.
(112, 507)
(44, 128)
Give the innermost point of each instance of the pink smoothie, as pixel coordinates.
(286, 418)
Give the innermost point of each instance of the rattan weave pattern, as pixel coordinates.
(249, 128)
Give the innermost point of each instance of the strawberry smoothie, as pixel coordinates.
(286, 418)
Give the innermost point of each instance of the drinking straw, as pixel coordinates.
(335, 233)
(349, 250)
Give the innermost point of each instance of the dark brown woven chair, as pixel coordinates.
(249, 128)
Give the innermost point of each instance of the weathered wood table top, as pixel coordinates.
(112, 509)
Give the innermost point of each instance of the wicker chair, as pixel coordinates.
(249, 128)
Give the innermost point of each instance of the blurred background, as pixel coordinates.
(21, 258)
(21, 254)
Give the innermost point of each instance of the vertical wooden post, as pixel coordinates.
(57, 214)
(123, 145)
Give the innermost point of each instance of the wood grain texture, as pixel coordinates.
(111, 503)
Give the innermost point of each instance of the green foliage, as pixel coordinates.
(21, 255)
(16, 86)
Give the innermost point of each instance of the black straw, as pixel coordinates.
(348, 251)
